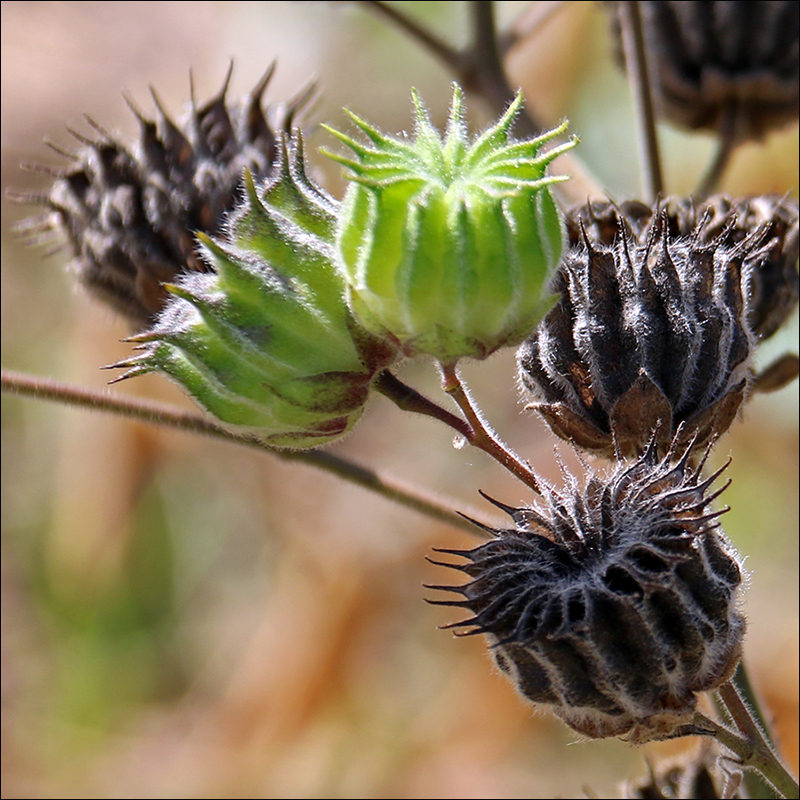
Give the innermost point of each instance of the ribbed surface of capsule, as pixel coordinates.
(614, 604)
(649, 333)
(447, 242)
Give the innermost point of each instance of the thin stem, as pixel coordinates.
(751, 747)
(636, 62)
(451, 57)
(728, 142)
(427, 503)
(408, 399)
(480, 434)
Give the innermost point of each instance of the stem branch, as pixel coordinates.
(427, 503)
(481, 435)
(636, 63)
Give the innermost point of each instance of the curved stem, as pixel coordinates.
(408, 399)
(427, 503)
(480, 434)
(638, 75)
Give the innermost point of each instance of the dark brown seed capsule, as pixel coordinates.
(650, 332)
(615, 603)
(731, 66)
(773, 284)
(130, 212)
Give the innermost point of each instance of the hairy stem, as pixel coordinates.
(408, 399)
(750, 745)
(638, 75)
(424, 502)
(480, 434)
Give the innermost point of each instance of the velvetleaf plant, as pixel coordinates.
(691, 514)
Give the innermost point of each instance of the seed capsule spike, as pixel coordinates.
(257, 93)
(477, 524)
(455, 589)
(510, 510)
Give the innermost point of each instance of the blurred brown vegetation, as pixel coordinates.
(187, 618)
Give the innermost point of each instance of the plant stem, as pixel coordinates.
(728, 142)
(408, 399)
(751, 747)
(480, 434)
(636, 62)
(424, 502)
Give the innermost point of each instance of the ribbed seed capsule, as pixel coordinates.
(772, 281)
(615, 603)
(732, 66)
(264, 340)
(447, 243)
(130, 212)
(647, 335)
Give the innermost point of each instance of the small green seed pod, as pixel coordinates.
(265, 341)
(446, 244)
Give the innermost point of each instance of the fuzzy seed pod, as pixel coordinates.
(614, 604)
(773, 284)
(264, 339)
(130, 213)
(647, 335)
(731, 66)
(448, 244)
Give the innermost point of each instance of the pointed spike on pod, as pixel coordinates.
(443, 588)
(459, 567)
(510, 510)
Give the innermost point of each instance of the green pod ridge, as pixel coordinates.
(265, 341)
(448, 245)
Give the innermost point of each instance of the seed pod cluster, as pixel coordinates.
(651, 331)
(614, 604)
(130, 212)
(264, 339)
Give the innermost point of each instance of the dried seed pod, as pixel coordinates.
(264, 340)
(648, 334)
(615, 603)
(130, 212)
(773, 284)
(731, 66)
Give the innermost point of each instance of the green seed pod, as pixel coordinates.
(446, 244)
(265, 341)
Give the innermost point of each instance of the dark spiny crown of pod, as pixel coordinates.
(646, 335)
(732, 66)
(614, 604)
(130, 213)
(773, 284)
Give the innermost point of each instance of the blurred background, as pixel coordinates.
(187, 618)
